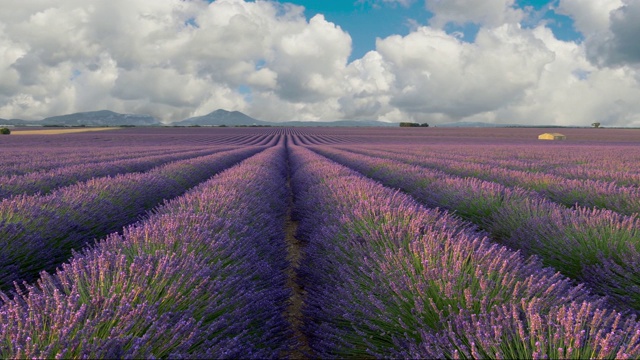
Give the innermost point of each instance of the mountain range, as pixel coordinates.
(216, 118)
(236, 118)
(92, 118)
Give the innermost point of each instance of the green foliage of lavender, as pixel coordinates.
(203, 277)
(525, 330)
(577, 242)
(387, 277)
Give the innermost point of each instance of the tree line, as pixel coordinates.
(410, 124)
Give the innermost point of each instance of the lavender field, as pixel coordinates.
(320, 243)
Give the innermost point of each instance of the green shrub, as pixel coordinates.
(409, 124)
(5, 131)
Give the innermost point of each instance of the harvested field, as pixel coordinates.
(59, 131)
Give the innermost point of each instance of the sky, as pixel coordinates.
(528, 62)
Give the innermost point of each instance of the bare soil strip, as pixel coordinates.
(58, 131)
(294, 311)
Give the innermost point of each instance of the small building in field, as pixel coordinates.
(552, 136)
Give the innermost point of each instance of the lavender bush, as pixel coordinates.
(203, 277)
(608, 162)
(43, 182)
(384, 275)
(585, 192)
(38, 232)
(20, 161)
(573, 241)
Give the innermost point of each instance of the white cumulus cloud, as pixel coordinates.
(611, 28)
(438, 73)
(170, 58)
(174, 59)
(590, 16)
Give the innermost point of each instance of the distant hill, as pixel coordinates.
(236, 118)
(92, 118)
(15, 122)
(216, 118)
(222, 117)
(100, 118)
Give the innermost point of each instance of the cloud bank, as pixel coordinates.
(175, 59)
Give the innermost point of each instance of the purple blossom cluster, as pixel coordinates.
(39, 232)
(386, 277)
(45, 181)
(202, 277)
(597, 247)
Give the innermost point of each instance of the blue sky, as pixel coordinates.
(366, 20)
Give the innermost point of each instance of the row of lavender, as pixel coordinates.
(604, 162)
(609, 155)
(20, 162)
(142, 137)
(585, 192)
(596, 162)
(598, 247)
(386, 277)
(39, 232)
(45, 181)
(571, 161)
(202, 277)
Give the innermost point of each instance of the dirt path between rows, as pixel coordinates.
(294, 311)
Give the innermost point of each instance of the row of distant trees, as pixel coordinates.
(410, 124)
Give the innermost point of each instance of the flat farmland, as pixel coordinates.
(58, 131)
(320, 243)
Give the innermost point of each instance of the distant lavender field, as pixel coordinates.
(320, 242)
